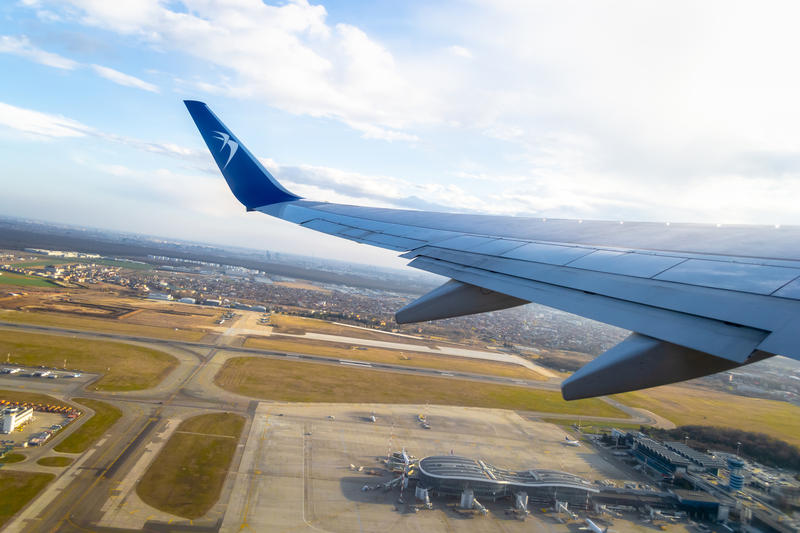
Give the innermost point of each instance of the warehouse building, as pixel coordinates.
(13, 417)
(451, 475)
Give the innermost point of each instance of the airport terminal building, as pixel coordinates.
(451, 475)
(13, 417)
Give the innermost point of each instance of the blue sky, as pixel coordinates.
(675, 111)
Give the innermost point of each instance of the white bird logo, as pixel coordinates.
(226, 141)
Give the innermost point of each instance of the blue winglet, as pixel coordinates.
(249, 181)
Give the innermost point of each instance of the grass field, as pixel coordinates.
(10, 278)
(67, 321)
(17, 489)
(11, 458)
(124, 366)
(104, 417)
(55, 461)
(85, 260)
(396, 357)
(187, 476)
(29, 397)
(294, 381)
(687, 405)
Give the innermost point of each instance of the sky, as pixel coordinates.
(665, 111)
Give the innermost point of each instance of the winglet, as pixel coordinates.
(249, 181)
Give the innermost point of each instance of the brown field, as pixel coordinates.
(98, 324)
(694, 405)
(294, 381)
(302, 285)
(186, 477)
(100, 311)
(383, 355)
(124, 366)
(183, 320)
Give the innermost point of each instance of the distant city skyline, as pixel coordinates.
(640, 111)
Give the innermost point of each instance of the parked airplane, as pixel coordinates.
(591, 526)
(570, 442)
(698, 298)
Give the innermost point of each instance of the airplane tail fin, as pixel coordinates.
(249, 181)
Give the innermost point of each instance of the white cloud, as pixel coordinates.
(287, 55)
(460, 51)
(121, 78)
(41, 125)
(21, 46)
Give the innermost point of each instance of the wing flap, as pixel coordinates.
(751, 310)
(718, 338)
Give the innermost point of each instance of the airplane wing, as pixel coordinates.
(699, 298)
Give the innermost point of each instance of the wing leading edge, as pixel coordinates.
(700, 298)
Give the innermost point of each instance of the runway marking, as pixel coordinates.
(354, 363)
(306, 475)
(207, 434)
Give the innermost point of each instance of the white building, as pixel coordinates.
(13, 417)
(159, 296)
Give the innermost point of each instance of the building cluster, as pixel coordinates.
(15, 416)
(730, 486)
(88, 273)
(202, 282)
(474, 483)
(62, 253)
